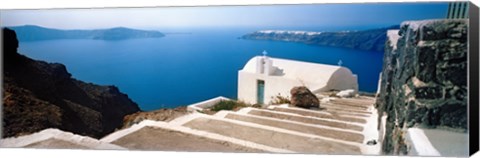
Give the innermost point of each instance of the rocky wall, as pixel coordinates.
(423, 80)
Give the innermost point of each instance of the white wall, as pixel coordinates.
(200, 106)
(274, 85)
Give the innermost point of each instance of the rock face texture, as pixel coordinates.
(424, 79)
(371, 40)
(303, 97)
(39, 95)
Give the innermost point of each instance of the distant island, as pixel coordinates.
(370, 40)
(177, 33)
(37, 33)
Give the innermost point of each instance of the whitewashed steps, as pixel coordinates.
(325, 131)
(361, 100)
(274, 137)
(342, 113)
(339, 127)
(352, 102)
(159, 139)
(342, 108)
(348, 106)
(320, 114)
(306, 119)
(334, 111)
(171, 136)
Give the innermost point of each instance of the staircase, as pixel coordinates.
(340, 126)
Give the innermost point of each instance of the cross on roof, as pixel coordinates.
(264, 53)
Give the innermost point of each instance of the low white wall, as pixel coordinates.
(379, 85)
(420, 144)
(52, 133)
(205, 104)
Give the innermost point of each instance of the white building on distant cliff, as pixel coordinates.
(263, 78)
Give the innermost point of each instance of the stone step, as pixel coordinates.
(154, 138)
(274, 137)
(363, 99)
(319, 114)
(304, 119)
(343, 108)
(163, 136)
(326, 131)
(342, 113)
(351, 102)
(338, 111)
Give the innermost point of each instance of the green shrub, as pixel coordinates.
(256, 106)
(277, 100)
(228, 105)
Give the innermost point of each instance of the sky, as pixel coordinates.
(332, 15)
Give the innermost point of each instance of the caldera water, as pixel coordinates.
(184, 68)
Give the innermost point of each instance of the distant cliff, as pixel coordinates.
(371, 40)
(39, 95)
(424, 79)
(35, 33)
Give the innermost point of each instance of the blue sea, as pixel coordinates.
(181, 69)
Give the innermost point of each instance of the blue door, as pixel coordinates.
(260, 91)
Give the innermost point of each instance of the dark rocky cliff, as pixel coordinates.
(371, 40)
(424, 79)
(39, 95)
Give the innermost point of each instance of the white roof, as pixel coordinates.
(311, 74)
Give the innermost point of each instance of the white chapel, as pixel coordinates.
(263, 78)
